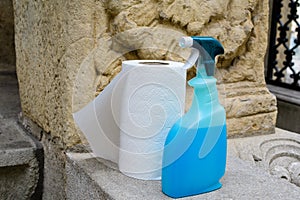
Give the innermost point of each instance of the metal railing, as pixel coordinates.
(284, 52)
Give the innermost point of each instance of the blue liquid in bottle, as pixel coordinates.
(194, 157)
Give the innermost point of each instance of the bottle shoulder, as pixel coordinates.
(198, 81)
(204, 118)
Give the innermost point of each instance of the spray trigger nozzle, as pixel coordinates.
(207, 47)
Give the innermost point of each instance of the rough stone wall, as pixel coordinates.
(7, 47)
(241, 26)
(54, 37)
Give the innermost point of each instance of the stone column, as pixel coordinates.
(52, 38)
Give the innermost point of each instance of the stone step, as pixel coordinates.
(21, 162)
(89, 177)
(21, 156)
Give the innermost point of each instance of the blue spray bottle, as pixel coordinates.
(194, 157)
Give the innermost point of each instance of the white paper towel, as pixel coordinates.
(128, 122)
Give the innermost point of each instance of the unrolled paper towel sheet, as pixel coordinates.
(129, 120)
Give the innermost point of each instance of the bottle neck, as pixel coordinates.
(205, 106)
(205, 91)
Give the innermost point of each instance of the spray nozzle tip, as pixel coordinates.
(185, 42)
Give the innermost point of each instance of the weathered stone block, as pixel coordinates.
(54, 38)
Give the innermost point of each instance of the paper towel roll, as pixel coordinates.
(128, 122)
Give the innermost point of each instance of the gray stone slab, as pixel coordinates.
(93, 178)
(19, 162)
(15, 147)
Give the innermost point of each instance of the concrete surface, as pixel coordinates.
(21, 157)
(93, 178)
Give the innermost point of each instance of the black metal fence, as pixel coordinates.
(284, 51)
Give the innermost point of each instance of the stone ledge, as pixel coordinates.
(15, 147)
(89, 177)
(21, 162)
